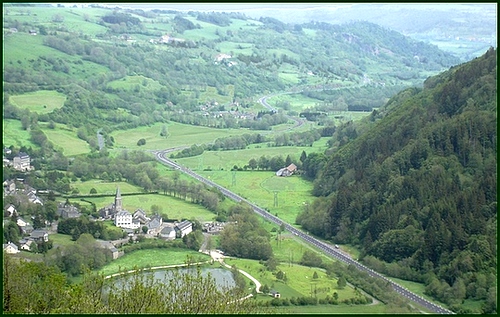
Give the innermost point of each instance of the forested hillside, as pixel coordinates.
(416, 186)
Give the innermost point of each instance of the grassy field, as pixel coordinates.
(73, 18)
(131, 82)
(178, 135)
(300, 281)
(333, 309)
(226, 160)
(14, 134)
(259, 188)
(151, 258)
(104, 187)
(66, 140)
(61, 239)
(42, 101)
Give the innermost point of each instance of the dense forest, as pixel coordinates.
(415, 187)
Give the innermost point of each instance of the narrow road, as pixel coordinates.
(325, 247)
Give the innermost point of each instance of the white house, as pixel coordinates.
(26, 244)
(10, 210)
(124, 219)
(185, 227)
(22, 162)
(11, 248)
(21, 222)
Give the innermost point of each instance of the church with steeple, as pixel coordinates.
(111, 210)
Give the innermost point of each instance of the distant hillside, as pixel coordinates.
(416, 185)
(125, 68)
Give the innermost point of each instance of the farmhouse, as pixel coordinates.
(287, 171)
(9, 186)
(114, 251)
(154, 226)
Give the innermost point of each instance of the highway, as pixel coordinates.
(325, 247)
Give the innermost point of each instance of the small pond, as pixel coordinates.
(223, 278)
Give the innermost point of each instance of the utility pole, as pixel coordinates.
(233, 182)
(275, 199)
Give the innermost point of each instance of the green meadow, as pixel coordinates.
(292, 193)
(131, 82)
(104, 187)
(42, 101)
(14, 134)
(66, 140)
(300, 281)
(73, 19)
(178, 135)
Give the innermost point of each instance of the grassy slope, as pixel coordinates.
(13, 134)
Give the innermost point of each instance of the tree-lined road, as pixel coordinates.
(325, 247)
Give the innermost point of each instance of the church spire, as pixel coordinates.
(118, 200)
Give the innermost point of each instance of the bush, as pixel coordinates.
(141, 142)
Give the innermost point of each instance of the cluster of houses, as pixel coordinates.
(133, 221)
(27, 243)
(10, 188)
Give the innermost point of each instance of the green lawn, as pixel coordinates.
(150, 258)
(42, 101)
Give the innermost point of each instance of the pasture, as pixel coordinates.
(226, 160)
(300, 281)
(104, 187)
(42, 101)
(65, 139)
(73, 19)
(178, 135)
(131, 82)
(260, 187)
(14, 134)
(150, 258)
